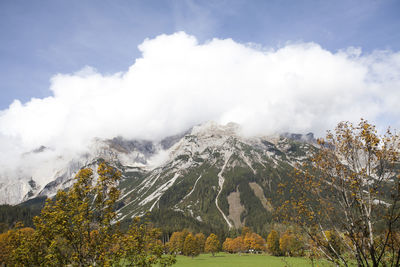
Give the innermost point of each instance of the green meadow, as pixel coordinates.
(244, 260)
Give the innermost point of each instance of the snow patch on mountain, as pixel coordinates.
(158, 193)
(221, 181)
(178, 153)
(191, 191)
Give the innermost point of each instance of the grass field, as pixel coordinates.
(244, 260)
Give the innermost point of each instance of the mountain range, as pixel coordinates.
(211, 174)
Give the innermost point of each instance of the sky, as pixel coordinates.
(42, 38)
(71, 71)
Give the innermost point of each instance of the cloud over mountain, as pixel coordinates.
(179, 82)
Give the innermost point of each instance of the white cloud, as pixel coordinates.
(178, 83)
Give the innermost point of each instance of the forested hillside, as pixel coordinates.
(10, 215)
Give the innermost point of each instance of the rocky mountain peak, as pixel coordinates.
(214, 129)
(208, 173)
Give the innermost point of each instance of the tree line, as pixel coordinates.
(189, 244)
(24, 212)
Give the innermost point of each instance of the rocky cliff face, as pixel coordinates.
(216, 175)
(210, 173)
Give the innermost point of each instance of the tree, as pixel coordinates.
(13, 249)
(251, 241)
(3, 227)
(332, 243)
(78, 228)
(238, 245)
(351, 187)
(291, 244)
(227, 245)
(212, 244)
(200, 241)
(245, 230)
(141, 246)
(273, 243)
(190, 247)
(176, 242)
(4, 248)
(254, 242)
(10, 215)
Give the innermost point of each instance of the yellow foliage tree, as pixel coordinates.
(77, 228)
(212, 244)
(291, 244)
(200, 241)
(273, 243)
(190, 246)
(176, 242)
(227, 245)
(14, 246)
(67, 224)
(350, 186)
(245, 230)
(238, 245)
(331, 240)
(4, 249)
(141, 246)
(254, 242)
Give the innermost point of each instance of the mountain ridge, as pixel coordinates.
(208, 173)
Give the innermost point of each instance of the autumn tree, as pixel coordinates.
(15, 244)
(176, 242)
(332, 242)
(249, 242)
(78, 228)
(4, 249)
(212, 244)
(291, 244)
(77, 225)
(200, 241)
(273, 243)
(238, 245)
(245, 230)
(227, 245)
(190, 247)
(350, 186)
(254, 242)
(141, 246)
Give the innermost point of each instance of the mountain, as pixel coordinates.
(211, 174)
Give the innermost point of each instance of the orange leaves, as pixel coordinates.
(227, 246)
(235, 245)
(254, 242)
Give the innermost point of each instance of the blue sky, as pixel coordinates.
(42, 38)
(75, 70)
